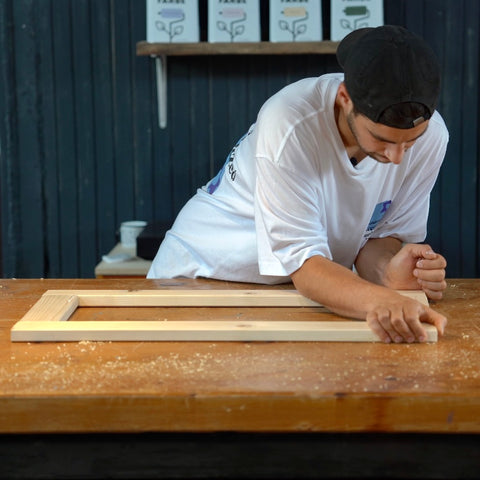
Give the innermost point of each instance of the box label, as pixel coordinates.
(349, 15)
(234, 21)
(172, 21)
(295, 20)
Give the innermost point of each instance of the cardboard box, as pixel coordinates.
(170, 21)
(234, 21)
(296, 20)
(349, 15)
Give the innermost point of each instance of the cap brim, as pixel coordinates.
(346, 44)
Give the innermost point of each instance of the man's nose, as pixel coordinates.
(395, 152)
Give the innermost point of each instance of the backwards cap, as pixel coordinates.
(388, 65)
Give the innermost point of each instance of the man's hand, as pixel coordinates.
(392, 316)
(416, 267)
(400, 321)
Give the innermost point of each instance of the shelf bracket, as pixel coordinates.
(161, 77)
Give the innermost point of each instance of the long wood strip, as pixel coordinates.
(200, 298)
(323, 331)
(188, 298)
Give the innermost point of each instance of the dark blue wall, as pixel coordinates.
(81, 151)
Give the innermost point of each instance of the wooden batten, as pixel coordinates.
(47, 320)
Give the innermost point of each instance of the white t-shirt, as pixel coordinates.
(288, 191)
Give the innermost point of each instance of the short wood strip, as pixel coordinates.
(55, 308)
(324, 331)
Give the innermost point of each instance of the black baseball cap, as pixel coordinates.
(389, 65)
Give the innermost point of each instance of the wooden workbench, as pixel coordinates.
(198, 398)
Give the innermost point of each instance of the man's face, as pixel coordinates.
(384, 144)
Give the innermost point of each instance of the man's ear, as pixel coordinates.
(343, 97)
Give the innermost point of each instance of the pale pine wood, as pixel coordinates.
(55, 307)
(43, 321)
(200, 298)
(217, 331)
(188, 298)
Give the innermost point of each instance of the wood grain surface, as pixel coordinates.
(237, 48)
(236, 386)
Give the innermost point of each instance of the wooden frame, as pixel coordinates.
(47, 320)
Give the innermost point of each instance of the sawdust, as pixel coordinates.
(91, 368)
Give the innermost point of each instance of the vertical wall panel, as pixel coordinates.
(47, 105)
(221, 141)
(179, 101)
(103, 121)
(162, 171)
(30, 242)
(415, 20)
(81, 151)
(9, 231)
(199, 121)
(144, 120)
(256, 87)
(123, 50)
(451, 110)
(64, 78)
(237, 88)
(470, 137)
(82, 50)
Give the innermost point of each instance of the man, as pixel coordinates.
(334, 176)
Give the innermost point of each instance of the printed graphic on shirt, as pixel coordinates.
(228, 166)
(378, 213)
(213, 184)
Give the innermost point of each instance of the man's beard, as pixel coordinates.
(353, 130)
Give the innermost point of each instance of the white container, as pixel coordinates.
(296, 21)
(129, 231)
(172, 22)
(349, 15)
(234, 21)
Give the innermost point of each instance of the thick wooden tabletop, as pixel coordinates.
(236, 386)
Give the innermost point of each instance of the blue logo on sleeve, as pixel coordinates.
(378, 214)
(215, 182)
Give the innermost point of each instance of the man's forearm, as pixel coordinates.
(374, 257)
(338, 288)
